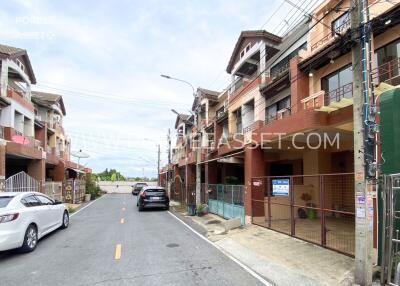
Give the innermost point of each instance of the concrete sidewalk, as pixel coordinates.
(281, 259)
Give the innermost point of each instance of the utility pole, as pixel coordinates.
(198, 161)
(169, 175)
(158, 165)
(363, 199)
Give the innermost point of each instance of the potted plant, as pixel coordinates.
(311, 213)
(201, 210)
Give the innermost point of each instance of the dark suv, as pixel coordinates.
(137, 188)
(153, 197)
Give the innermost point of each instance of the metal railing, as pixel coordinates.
(388, 73)
(316, 208)
(54, 190)
(390, 246)
(22, 182)
(345, 91)
(280, 114)
(338, 30)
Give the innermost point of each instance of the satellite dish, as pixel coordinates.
(79, 154)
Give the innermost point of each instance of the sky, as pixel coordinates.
(105, 58)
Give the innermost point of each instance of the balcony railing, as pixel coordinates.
(388, 73)
(280, 114)
(338, 30)
(314, 101)
(277, 71)
(11, 92)
(221, 113)
(345, 91)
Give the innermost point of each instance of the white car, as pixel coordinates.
(25, 217)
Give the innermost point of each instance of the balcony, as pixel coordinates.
(330, 101)
(280, 114)
(388, 73)
(334, 34)
(30, 141)
(21, 97)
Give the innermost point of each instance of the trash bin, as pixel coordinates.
(191, 209)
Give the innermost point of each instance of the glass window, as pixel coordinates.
(271, 113)
(284, 103)
(338, 84)
(388, 63)
(341, 24)
(4, 201)
(44, 200)
(239, 126)
(30, 201)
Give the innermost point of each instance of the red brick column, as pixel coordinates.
(299, 87)
(37, 170)
(41, 135)
(254, 166)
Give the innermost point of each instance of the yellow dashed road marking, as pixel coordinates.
(118, 250)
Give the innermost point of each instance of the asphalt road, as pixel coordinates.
(120, 187)
(155, 249)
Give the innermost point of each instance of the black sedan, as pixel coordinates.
(137, 188)
(153, 197)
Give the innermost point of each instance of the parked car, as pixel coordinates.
(25, 217)
(153, 197)
(137, 188)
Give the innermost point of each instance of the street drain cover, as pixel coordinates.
(171, 245)
(214, 221)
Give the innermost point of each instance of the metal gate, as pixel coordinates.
(22, 182)
(227, 201)
(390, 259)
(54, 190)
(316, 208)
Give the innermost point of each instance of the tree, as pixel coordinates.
(114, 177)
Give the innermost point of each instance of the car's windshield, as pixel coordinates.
(4, 201)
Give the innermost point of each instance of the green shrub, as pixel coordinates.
(91, 187)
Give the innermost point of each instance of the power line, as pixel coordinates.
(113, 98)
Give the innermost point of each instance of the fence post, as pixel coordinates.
(322, 209)
(269, 201)
(292, 222)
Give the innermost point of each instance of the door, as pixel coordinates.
(54, 215)
(38, 213)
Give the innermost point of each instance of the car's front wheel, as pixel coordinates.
(65, 221)
(30, 239)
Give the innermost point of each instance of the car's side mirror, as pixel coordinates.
(57, 202)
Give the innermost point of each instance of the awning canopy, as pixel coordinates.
(77, 170)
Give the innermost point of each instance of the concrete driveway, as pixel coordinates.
(111, 243)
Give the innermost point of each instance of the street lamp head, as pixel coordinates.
(165, 76)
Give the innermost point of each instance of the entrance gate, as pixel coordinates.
(227, 201)
(390, 259)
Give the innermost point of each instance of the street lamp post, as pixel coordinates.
(198, 151)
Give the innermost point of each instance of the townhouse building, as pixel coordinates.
(277, 144)
(35, 152)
